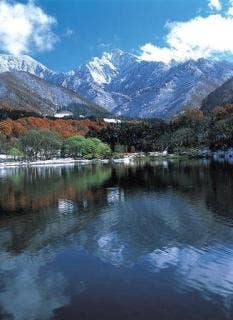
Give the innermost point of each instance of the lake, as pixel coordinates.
(153, 240)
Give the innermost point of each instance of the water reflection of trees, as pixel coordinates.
(211, 182)
(30, 189)
(166, 201)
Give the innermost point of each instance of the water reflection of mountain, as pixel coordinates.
(180, 201)
(158, 217)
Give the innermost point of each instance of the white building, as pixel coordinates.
(63, 114)
(112, 120)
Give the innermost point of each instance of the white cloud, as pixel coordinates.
(199, 37)
(25, 27)
(215, 5)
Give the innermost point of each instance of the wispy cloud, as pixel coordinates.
(202, 36)
(103, 45)
(215, 5)
(25, 27)
(69, 33)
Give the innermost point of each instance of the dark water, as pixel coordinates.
(152, 241)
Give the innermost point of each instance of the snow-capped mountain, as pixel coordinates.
(129, 86)
(104, 69)
(171, 89)
(27, 84)
(94, 79)
(126, 85)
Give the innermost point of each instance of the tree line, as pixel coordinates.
(34, 138)
(46, 144)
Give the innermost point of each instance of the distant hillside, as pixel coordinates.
(24, 91)
(219, 97)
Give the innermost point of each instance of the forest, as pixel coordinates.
(191, 130)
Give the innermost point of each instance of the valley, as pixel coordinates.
(184, 109)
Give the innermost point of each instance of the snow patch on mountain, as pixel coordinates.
(23, 63)
(102, 69)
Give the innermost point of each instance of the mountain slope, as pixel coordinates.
(180, 86)
(219, 97)
(126, 85)
(24, 91)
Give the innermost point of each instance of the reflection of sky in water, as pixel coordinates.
(209, 271)
(65, 206)
(115, 195)
(162, 232)
(27, 294)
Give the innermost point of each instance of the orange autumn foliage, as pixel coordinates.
(65, 128)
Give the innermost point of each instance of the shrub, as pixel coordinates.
(89, 148)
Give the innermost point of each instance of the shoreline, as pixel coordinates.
(128, 158)
(53, 162)
(219, 155)
(64, 162)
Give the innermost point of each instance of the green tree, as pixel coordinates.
(164, 142)
(40, 143)
(80, 147)
(136, 135)
(183, 137)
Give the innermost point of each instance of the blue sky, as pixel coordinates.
(66, 33)
(100, 25)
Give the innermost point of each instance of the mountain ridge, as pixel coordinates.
(138, 88)
(128, 86)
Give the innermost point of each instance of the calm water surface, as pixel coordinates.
(149, 241)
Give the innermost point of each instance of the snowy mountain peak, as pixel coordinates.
(127, 85)
(23, 63)
(120, 58)
(123, 83)
(103, 69)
